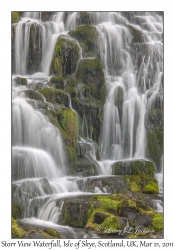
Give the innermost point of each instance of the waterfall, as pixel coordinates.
(130, 50)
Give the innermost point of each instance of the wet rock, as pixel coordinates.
(34, 95)
(85, 167)
(154, 126)
(35, 48)
(143, 221)
(46, 15)
(134, 167)
(20, 80)
(84, 17)
(57, 82)
(55, 96)
(110, 214)
(119, 99)
(86, 35)
(90, 72)
(75, 211)
(65, 57)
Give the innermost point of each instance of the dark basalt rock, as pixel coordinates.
(85, 167)
(154, 126)
(35, 48)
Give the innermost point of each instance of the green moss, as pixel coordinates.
(142, 183)
(65, 57)
(55, 95)
(90, 72)
(57, 82)
(157, 222)
(107, 203)
(72, 91)
(109, 225)
(68, 121)
(133, 168)
(75, 102)
(15, 17)
(52, 232)
(71, 82)
(86, 35)
(133, 182)
(34, 95)
(16, 211)
(17, 232)
(151, 188)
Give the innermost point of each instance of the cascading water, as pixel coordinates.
(131, 52)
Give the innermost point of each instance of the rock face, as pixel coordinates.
(55, 96)
(86, 35)
(90, 72)
(154, 125)
(134, 167)
(84, 18)
(85, 167)
(119, 99)
(35, 49)
(65, 57)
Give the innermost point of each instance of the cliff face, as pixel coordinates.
(88, 93)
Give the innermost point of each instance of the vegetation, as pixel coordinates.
(15, 16)
(86, 35)
(65, 57)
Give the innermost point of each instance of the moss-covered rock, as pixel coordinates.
(17, 232)
(90, 72)
(150, 188)
(16, 211)
(133, 167)
(157, 222)
(27, 232)
(57, 82)
(65, 57)
(52, 232)
(142, 183)
(34, 95)
(86, 35)
(109, 214)
(84, 17)
(72, 91)
(46, 15)
(68, 121)
(15, 16)
(20, 80)
(55, 96)
(154, 126)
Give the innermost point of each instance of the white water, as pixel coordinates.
(38, 153)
